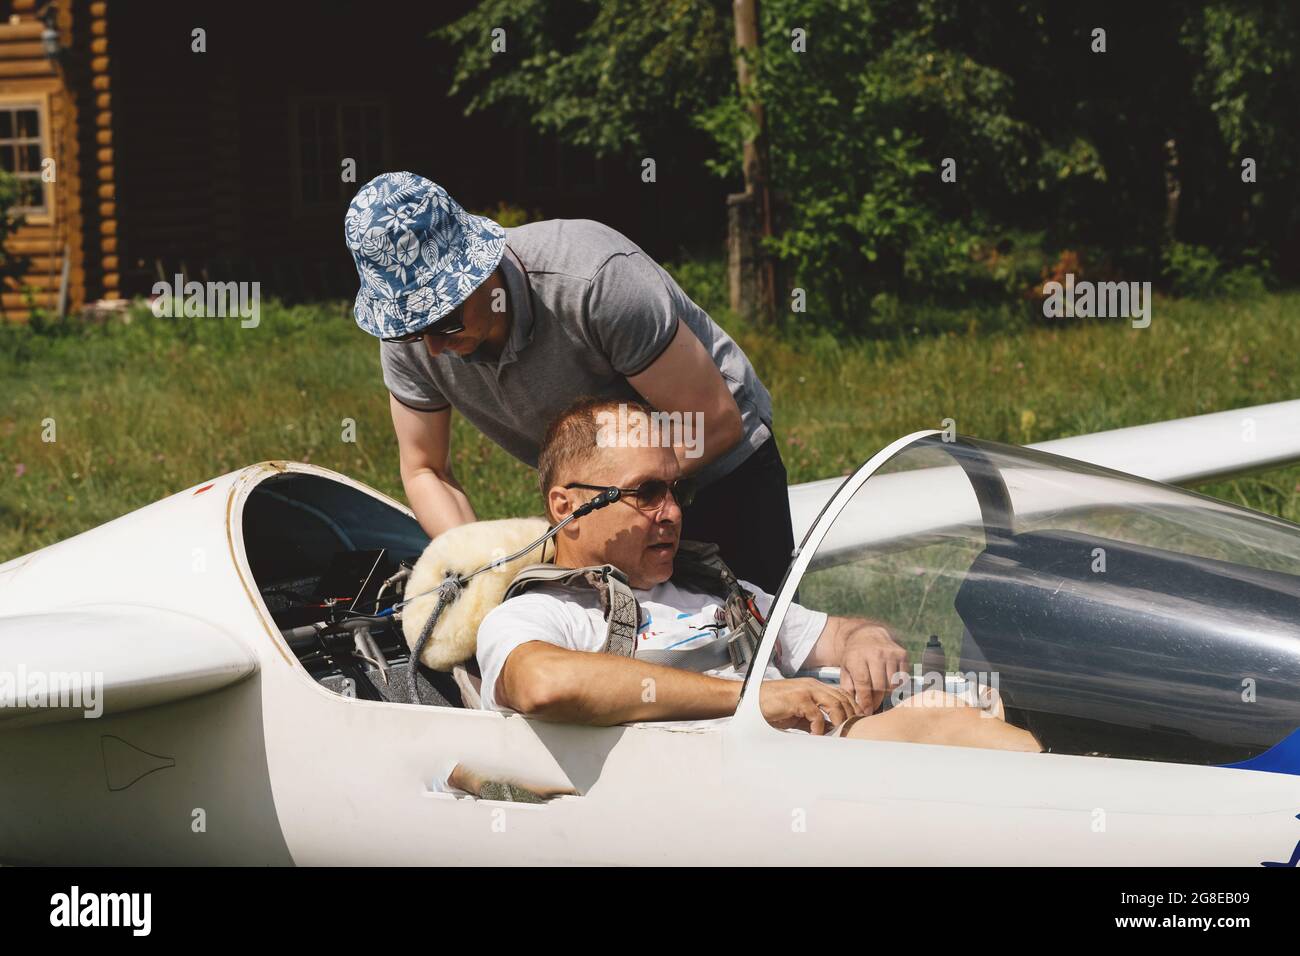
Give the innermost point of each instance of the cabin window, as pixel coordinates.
(22, 129)
(1050, 605)
(907, 585)
(328, 132)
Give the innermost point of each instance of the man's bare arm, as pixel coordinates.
(684, 379)
(581, 687)
(424, 456)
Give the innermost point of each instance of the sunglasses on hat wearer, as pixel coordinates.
(449, 324)
(650, 494)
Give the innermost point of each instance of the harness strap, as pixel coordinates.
(697, 565)
(617, 602)
(705, 658)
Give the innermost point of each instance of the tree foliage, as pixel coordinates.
(610, 76)
(1122, 160)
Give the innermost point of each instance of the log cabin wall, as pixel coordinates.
(225, 164)
(88, 67)
(168, 145)
(229, 159)
(39, 109)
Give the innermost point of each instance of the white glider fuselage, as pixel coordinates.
(216, 746)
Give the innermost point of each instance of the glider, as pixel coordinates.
(218, 678)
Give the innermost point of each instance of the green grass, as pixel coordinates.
(146, 408)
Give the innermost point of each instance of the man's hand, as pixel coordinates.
(869, 664)
(803, 701)
(867, 655)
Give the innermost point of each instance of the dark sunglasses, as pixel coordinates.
(650, 494)
(448, 325)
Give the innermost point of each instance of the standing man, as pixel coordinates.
(509, 326)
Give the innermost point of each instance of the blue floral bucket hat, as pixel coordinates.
(418, 253)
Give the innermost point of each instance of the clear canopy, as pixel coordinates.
(1115, 616)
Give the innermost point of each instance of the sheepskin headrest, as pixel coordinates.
(464, 549)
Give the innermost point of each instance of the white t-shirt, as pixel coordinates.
(672, 618)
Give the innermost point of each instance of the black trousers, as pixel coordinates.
(747, 515)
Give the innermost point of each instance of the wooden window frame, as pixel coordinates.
(40, 99)
(305, 208)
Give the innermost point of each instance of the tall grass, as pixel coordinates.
(144, 408)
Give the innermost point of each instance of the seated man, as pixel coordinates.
(539, 652)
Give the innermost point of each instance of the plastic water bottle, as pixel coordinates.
(933, 665)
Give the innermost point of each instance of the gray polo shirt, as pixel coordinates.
(588, 309)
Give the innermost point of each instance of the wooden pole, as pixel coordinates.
(751, 212)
